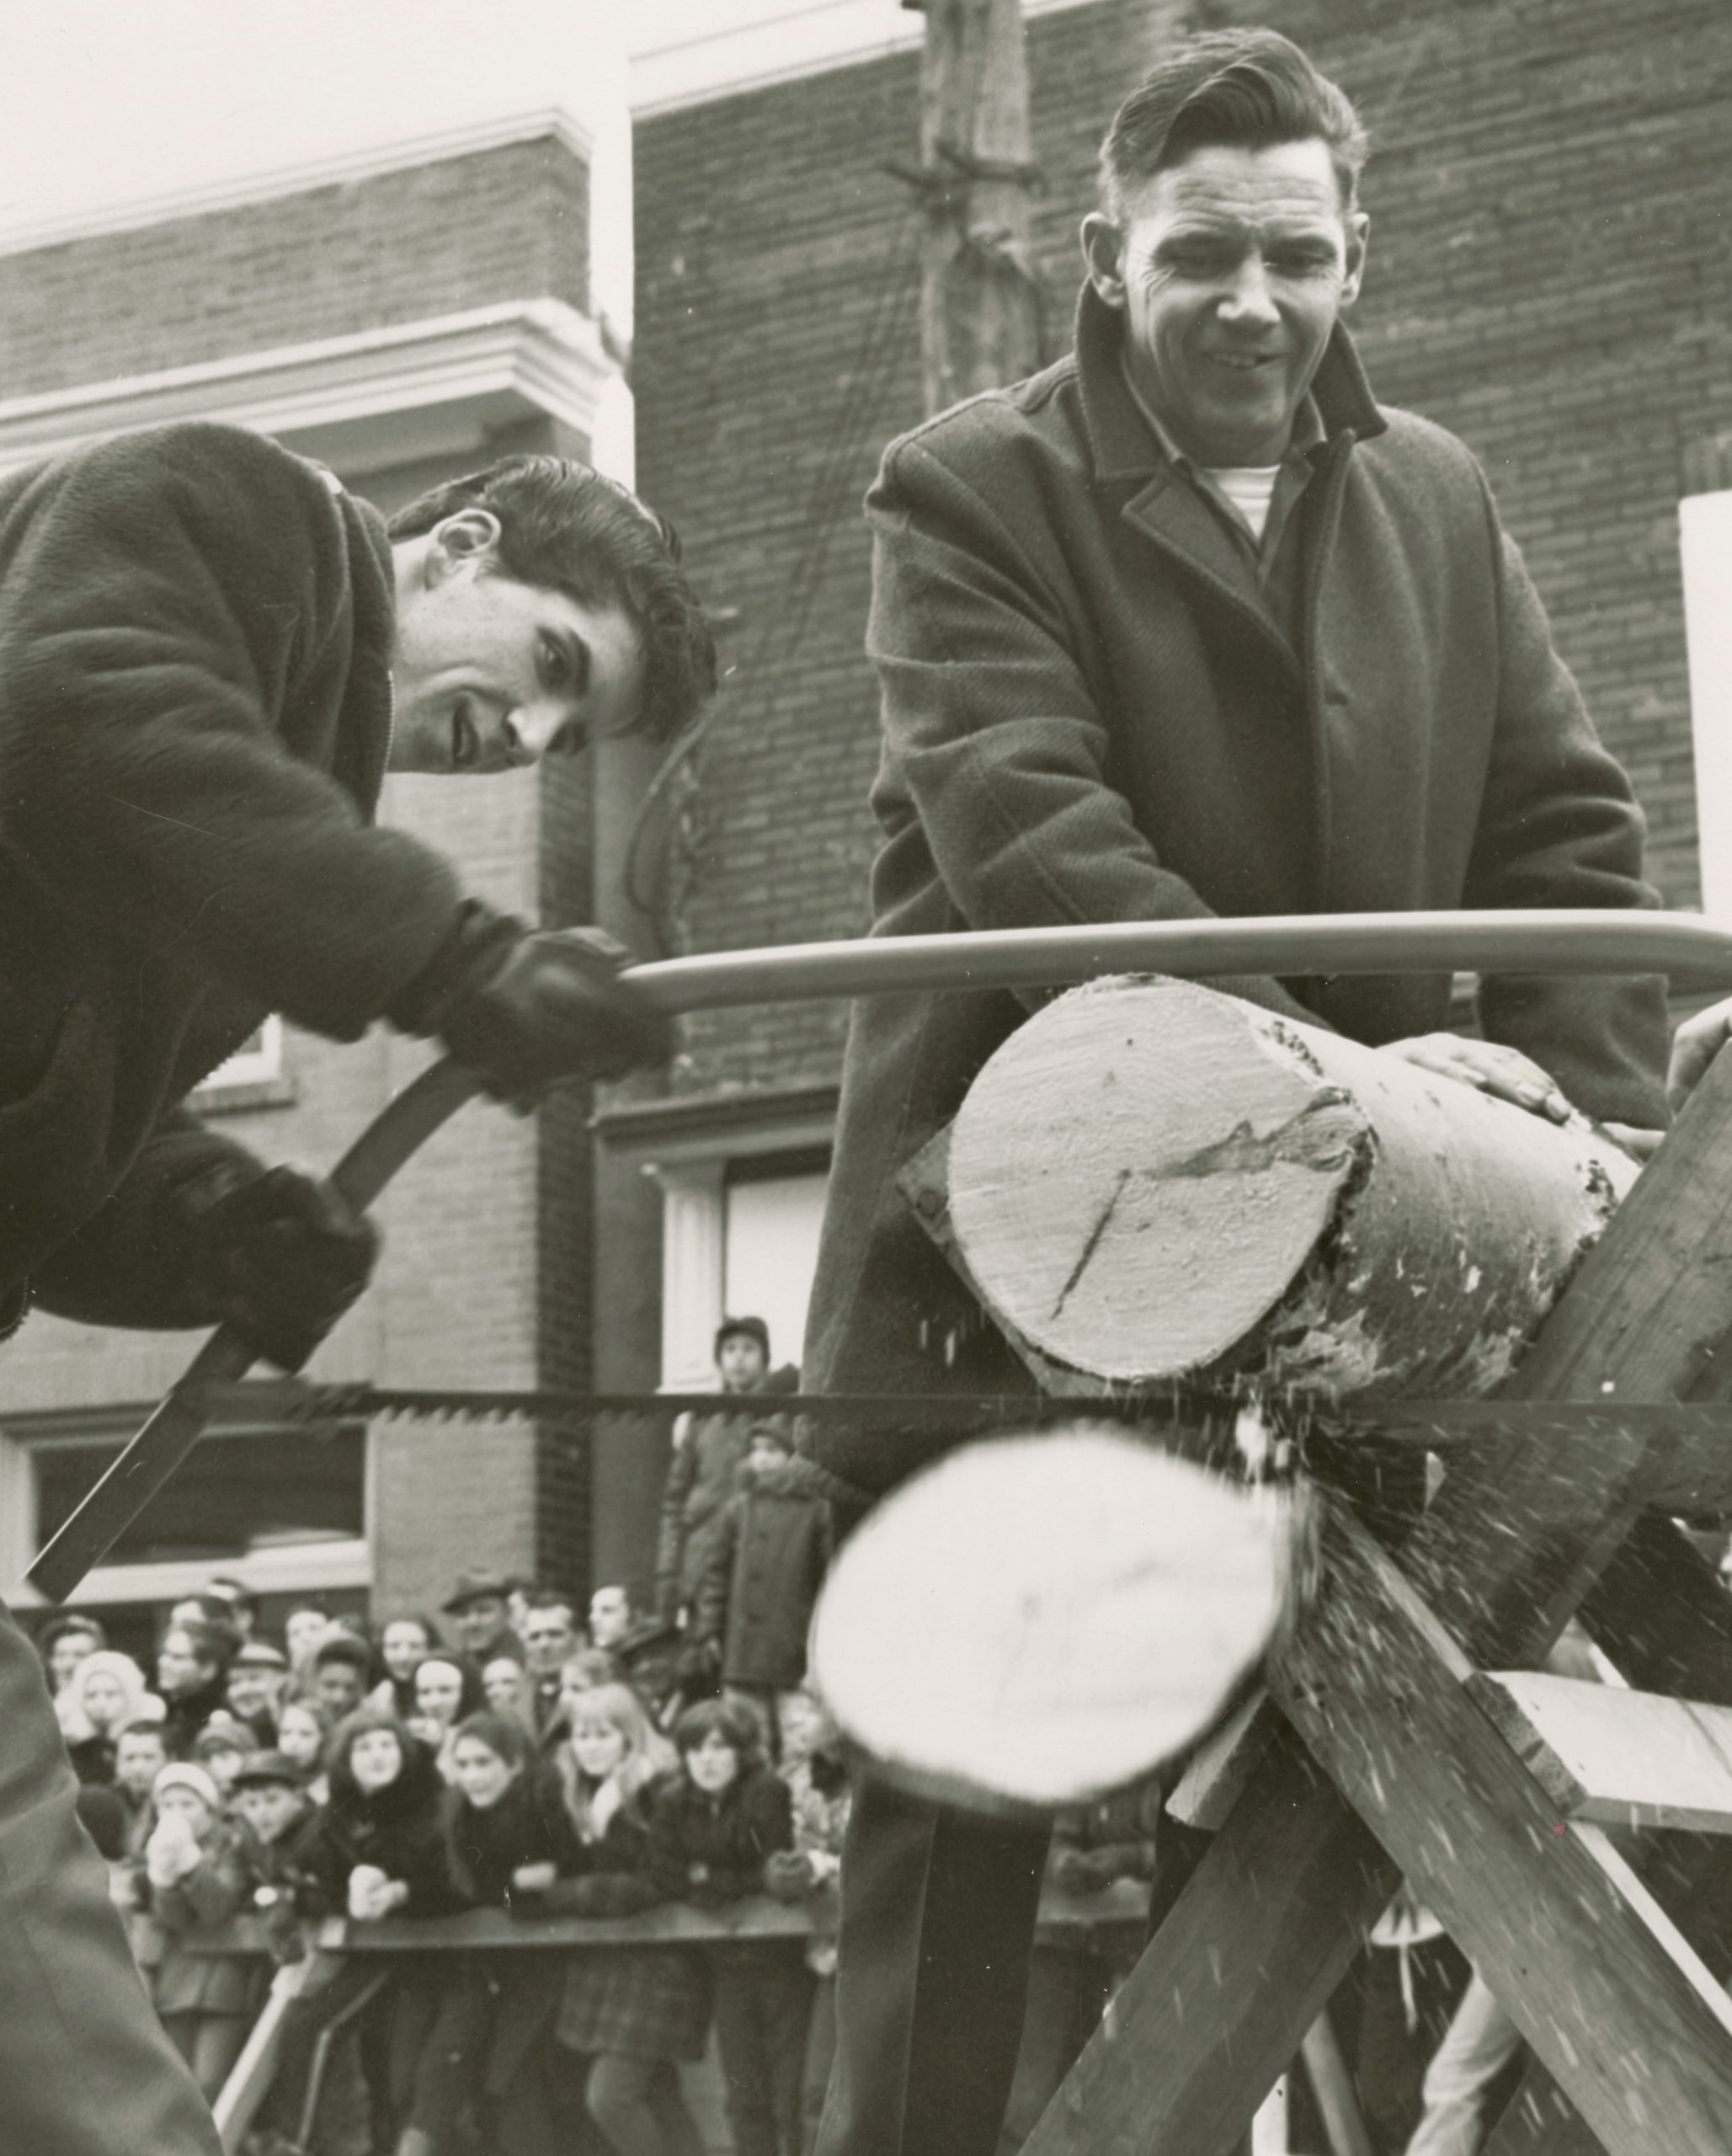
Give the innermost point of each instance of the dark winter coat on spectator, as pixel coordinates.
(186, 1714)
(768, 1554)
(282, 1887)
(709, 1849)
(506, 1999)
(207, 1898)
(400, 1828)
(703, 1472)
(627, 2002)
(1091, 713)
(195, 639)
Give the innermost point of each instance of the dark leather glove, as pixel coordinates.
(280, 1257)
(525, 1010)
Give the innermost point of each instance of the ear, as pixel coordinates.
(1358, 232)
(463, 537)
(1103, 251)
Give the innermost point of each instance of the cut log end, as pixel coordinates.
(1034, 1621)
(1153, 1180)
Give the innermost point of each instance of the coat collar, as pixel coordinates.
(1119, 437)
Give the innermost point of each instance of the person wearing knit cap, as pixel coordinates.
(104, 1692)
(194, 1883)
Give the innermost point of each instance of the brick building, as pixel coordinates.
(402, 306)
(1551, 275)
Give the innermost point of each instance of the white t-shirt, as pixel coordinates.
(1249, 487)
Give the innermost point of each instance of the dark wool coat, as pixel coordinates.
(706, 1850)
(211, 1894)
(400, 1828)
(1089, 714)
(768, 1554)
(703, 1472)
(195, 637)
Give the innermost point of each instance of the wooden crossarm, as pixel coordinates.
(1618, 1759)
(1572, 1944)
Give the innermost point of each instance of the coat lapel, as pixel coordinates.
(1170, 511)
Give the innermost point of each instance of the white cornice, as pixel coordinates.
(21, 235)
(377, 398)
(797, 37)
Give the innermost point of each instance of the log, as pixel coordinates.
(1036, 1620)
(1151, 1181)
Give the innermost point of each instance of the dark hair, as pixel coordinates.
(343, 1646)
(341, 1742)
(214, 1645)
(736, 1723)
(567, 527)
(550, 1598)
(1238, 88)
(502, 1734)
(234, 1592)
(60, 1628)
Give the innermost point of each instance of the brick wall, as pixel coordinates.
(1551, 275)
(432, 239)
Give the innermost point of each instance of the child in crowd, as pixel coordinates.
(194, 1883)
(140, 1753)
(341, 1673)
(507, 1687)
(629, 2013)
(103, 1693)
(813, 1767)
(711, 1830)
(448, 1690)
(220, 1749)
(404, 1643)
(270, 1800)
(704, 1467)
(302, 1730)
(768, 1552)
(507, 1832)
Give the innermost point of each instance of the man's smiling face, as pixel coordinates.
(1230, 269)
(490, 674)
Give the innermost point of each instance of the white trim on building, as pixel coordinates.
(782, 40)
(343, 168)
(364, 401)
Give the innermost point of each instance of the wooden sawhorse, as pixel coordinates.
(1385, 1752)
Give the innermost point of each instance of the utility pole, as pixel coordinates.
(980, 302)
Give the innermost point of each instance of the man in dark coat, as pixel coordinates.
(210, 654)
(1186, 625)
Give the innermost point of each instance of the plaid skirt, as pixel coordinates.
(636, 2002)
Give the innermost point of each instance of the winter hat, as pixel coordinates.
(220, 1737)
(76, 1725)
(182, 1774)
(776, 1434)
(754, 1328)
(476, 1587)
(260, 1654)
(264, 1769)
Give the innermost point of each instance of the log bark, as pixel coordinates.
(1151, 1181)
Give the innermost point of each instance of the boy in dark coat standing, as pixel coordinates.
(1186, 625)
(209, 654)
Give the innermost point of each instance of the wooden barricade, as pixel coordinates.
(1112, 1919)
(1386, 1750)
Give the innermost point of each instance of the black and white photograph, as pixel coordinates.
(866, 1187)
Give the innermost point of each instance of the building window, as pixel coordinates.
(739, 1237)
(283, 1509)
(253, 1077)
(1705, 522)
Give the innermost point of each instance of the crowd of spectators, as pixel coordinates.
(519, 1752)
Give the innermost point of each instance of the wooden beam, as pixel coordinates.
(1601, 1982)
(1612, 1757)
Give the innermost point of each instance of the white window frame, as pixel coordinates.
(251, 1066)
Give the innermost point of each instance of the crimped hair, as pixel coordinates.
(567, 527)
(1239, 90)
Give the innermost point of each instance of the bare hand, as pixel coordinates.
(1505, 1073)
(1695, 1045)
(1639, 1145)
(534, 1878)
